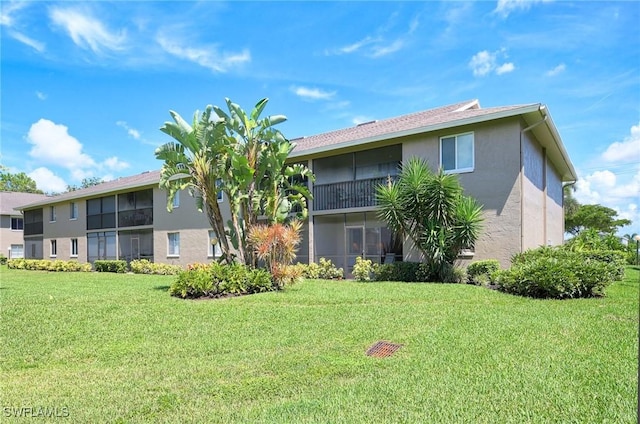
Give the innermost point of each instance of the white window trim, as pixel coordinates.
(71, 206)
(176, 200)
(11, 223)
(53, 254)
(74, 255)
(473, 154)
(53, 214)
(169, 254)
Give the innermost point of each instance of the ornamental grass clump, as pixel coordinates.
(276, 244)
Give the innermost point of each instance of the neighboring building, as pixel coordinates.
(511, 159)
(12, 222)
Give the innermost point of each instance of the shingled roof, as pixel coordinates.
(413, 123)
(10, 200)
(140, 180)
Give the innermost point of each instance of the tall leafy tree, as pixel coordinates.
(86, 183)
(430, 210)
(17, 182)
(242, 155)
(593, 217)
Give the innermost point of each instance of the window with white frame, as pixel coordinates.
(17, 224)
(52, 213)
(214, 245)
(457, 153)
(176, 200)
(174, 244)
(53, 248)
(74, 247)
(73, 210)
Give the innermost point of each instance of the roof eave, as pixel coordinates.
(415, 131)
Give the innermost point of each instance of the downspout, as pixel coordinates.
(542, 110)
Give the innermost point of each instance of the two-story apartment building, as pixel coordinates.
(511, 159)
(12, 222)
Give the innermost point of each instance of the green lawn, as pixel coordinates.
(118, 348)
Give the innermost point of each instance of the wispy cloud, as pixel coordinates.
(313, 93)
(352, 48)
(7, 19)
(133, 133)
(207, 57)
(360, 119)
(383, 50)
(505, 7)
(8, 9)
(41, 95)
(35, 44)
(485, 62)
(555, 71)
(86, 31)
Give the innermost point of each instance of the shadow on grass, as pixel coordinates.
(161, 288)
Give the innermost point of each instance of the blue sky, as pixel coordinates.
(86, 85)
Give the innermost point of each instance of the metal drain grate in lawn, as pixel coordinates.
(383, 349)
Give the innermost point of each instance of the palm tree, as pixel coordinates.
(430, 210)
(196, 161)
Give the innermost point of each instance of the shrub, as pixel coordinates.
(276, 244)
(560, 273)
(400, 271)
(47, 265)
(110, 266)
(3, 259)
(144, 266)
(363, 269)
(479, 273)
(217, 280)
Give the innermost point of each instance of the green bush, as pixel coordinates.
(218, 280)
(363, 269)
(144, 266)
(48, 265)
(401, 271)
(3, 259)
(110, 266)
(479, 273)
(560, 273)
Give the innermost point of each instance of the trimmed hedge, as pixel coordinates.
(48, 265)
(554, 272)
(480, 272)
(144, 266)
(119, 267)
(217, 280)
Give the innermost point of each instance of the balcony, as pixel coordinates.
(347, 194)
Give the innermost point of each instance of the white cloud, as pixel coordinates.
(41, 95)
(352, 48)
(557, 70)
(207, 57)
(87, 31)
(505, 68)
(115, 164)
(625, 151)
(485, 62)
(133, 133)
(47, 181)
(36, 45)
(505, 7)
(383, 50)
(53, 144)
(8, 9)
(313, 93)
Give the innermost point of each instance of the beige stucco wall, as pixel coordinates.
(555, 208)
(494, 183)
(63, 229)
(533, 185)
(9, 236)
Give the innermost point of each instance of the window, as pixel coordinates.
(214, 245)
(101, 245)
(74, 247)
(52, 214)
(220, 193)
(73, 210)
(174, 244)
(456, 153)
(176, 200)
(135, 208)
(53, 252)
(101, 213)
(17, 223)
(17, 251)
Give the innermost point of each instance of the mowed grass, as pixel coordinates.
(118, 348)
